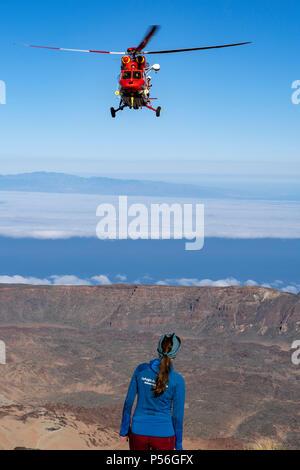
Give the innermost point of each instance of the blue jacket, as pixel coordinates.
(154, 416)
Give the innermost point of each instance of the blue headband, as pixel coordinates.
(175, 347)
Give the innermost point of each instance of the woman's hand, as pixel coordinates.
(124, 438)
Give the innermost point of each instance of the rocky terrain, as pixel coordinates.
(71, 352)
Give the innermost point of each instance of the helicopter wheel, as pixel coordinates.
(158, 111)
(112, 112)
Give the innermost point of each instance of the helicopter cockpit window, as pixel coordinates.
(137, 75)
(127, 75)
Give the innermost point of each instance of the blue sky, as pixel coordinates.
(222, 110)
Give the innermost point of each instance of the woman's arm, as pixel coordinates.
(178, 411)
(126, 418)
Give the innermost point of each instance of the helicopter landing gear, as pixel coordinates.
(114, 111)
(157, 111)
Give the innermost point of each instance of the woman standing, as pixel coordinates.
(156, 424)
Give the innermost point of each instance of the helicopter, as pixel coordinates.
(135, 80)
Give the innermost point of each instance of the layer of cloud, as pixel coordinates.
(103, 279)
(293, 288)
(23, 280)
(69, 280)
(56, 280)
(61, 216)
(208, 282)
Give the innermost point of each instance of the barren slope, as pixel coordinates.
(76, 347)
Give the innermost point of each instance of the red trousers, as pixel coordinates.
(137, 442)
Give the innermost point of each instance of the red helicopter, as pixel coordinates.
(134, 82)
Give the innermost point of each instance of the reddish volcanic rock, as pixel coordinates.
(76, 348)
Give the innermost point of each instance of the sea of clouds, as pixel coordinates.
(62, 216)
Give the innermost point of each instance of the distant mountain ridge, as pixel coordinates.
(65, 183)
(242, 311)
(53, 182)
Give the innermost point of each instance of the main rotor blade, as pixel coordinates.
(69, 50)
(147, 38)
(196, 48)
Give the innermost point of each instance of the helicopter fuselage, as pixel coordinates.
(134, 84)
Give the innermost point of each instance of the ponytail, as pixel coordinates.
(164, 367)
